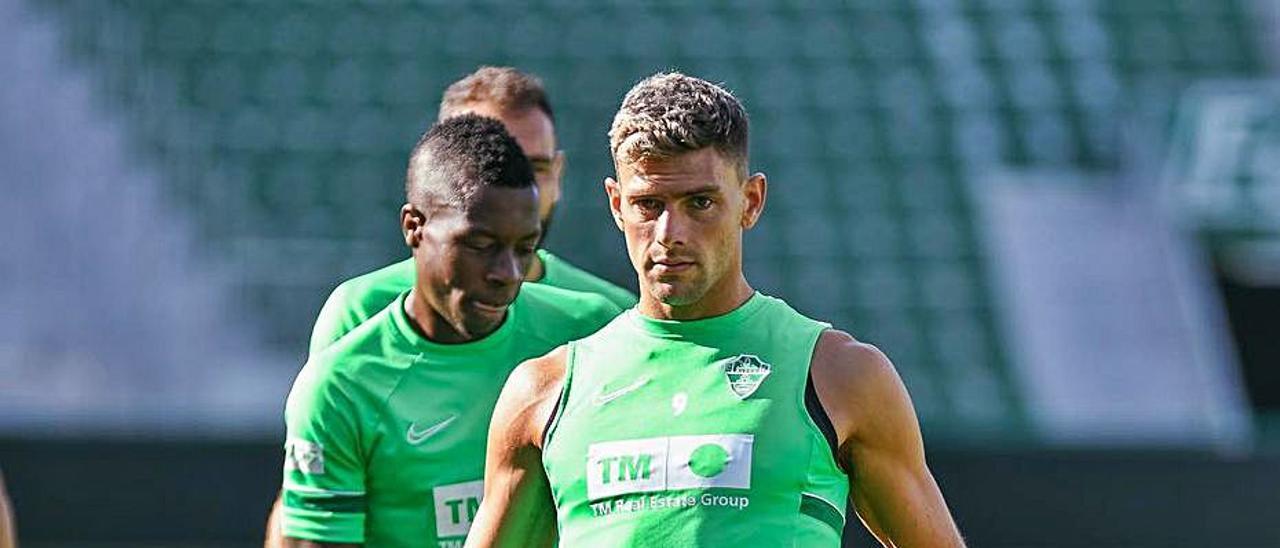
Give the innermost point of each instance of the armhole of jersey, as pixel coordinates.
(553, 419)
(820, 418)
(817, 414)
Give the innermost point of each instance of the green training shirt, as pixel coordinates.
(386, 429)
(696, 433)
(559, 273)
(355, 300)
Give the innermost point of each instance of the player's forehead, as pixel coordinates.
(496, 211)
(532, 128)
(700, 170)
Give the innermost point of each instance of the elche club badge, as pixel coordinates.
(745, 373)
(304, 456)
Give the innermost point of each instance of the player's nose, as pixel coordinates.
(505, 269)
(669, 229)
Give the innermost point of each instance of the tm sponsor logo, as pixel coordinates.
(455, 508)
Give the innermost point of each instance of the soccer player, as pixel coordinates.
(385, 427)
(710, 414)
(519, 101)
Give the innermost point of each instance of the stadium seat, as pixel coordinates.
(288, 122)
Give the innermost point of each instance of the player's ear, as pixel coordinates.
(612, 189)
(411, 222)
(755, 190)
(557, 165)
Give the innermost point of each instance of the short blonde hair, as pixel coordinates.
(669, 114)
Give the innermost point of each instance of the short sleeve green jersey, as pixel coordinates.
(559, 273)
(386, 429)
(355, 300)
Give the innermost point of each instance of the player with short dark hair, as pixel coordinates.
(710, 414)
(385, 428)
(520, 102)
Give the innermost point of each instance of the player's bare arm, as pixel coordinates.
(517, 509)
(8, 532)
(880, 445)
(274, 538)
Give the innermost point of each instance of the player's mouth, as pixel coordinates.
(492, 310)
(671, 266)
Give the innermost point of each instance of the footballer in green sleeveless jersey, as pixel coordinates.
(731, 440)
(355, 300)
(385, 427)
(708, 415)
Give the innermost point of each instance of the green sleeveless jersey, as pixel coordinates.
(355, 300)
(695, 433)
(386, 429)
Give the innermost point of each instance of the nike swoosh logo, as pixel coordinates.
(602, 398)
(416, 437)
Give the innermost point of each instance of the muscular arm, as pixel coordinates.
(894, 493)
(517, 509)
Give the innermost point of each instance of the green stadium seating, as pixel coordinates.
(287, 122)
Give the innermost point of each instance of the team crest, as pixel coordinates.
(745, 373)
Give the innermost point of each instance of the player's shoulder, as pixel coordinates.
(535, 376)
(395, 277)
(557, 310)
(359, 358)
(559, 297)
(355, 300)
(839, 354)
(863, 377)
(530, 394)
(779, 310)
(561, 273)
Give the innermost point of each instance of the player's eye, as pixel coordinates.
(648, 205)
(702, 202)
(478, 245)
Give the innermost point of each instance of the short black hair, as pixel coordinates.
(460, 155)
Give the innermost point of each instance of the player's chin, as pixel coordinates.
(480, 318)
(674, 293)
(479, 327)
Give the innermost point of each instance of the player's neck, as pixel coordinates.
(536, 269)
(723, 298)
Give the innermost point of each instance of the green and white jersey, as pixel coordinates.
(355, 300)
(695, 433)
(386, 429)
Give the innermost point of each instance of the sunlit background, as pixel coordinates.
(1059, 218)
